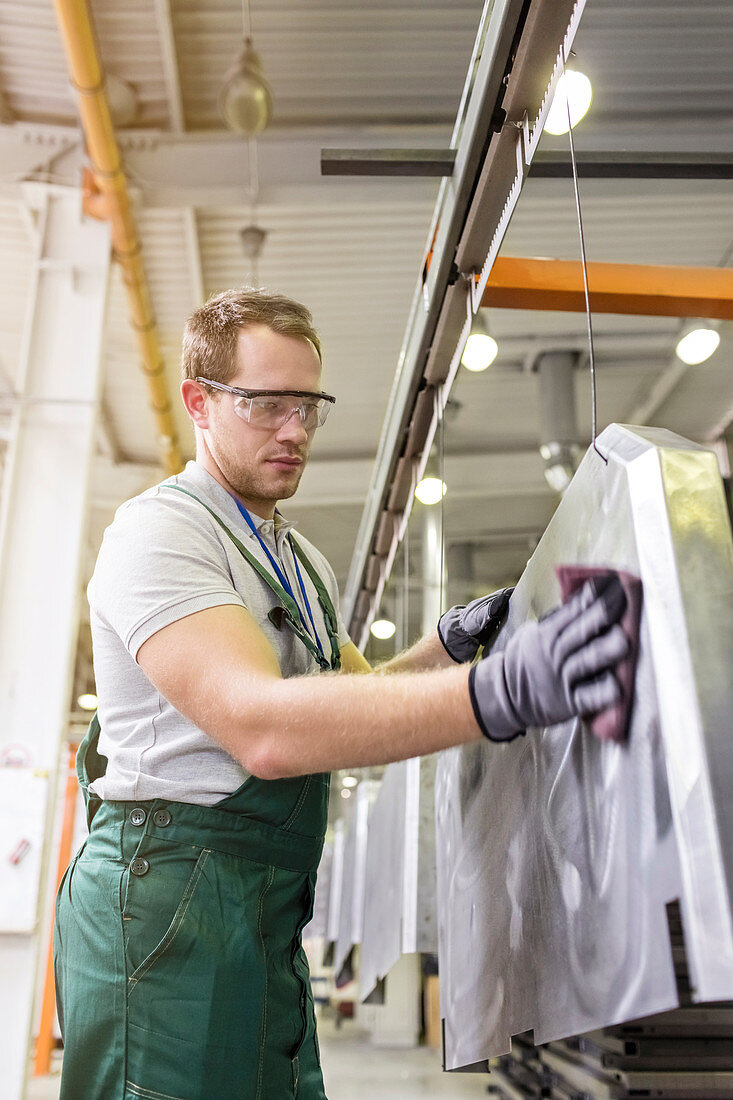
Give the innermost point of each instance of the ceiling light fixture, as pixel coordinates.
(346, 793)
(573, 91)
(349, 781)
(430, 490)
(87, 701)
(245, 99)
(383, 629)
(480, 352)
(481, 349)
(697, 345)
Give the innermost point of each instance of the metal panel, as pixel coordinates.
(353, 881)
(400, 915)
(557, 854)
(318, 924)
(335, 889)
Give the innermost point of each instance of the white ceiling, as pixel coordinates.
(387, 73)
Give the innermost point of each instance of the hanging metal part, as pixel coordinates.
(513, 69)
(106, 196)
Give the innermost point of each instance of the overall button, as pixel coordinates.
(139, 866)
(137, 816)
(162, 818)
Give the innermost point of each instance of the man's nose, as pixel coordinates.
(293, 428)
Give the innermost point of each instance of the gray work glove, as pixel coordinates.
(463, 629)
(556, 668)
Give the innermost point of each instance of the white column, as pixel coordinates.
(431, 567)
(43, 506)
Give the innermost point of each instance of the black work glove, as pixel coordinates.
(463, 629)
(556, 668)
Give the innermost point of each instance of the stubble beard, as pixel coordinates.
(253, 485)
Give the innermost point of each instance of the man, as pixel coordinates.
(180, 972)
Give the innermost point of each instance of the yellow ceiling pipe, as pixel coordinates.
(88, 81)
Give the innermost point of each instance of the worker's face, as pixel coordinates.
(264, 465)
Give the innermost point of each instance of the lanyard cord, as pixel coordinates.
(288, 604)
(281, 576)
(305, 594)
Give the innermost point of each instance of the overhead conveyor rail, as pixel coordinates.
(517, 59)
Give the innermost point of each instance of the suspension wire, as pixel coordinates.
(584, 264)
(246, 19)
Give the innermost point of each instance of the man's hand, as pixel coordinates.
(463, 629)
(556, 668)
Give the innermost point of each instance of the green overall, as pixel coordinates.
(180, 972)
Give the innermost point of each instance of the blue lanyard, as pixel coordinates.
(280, 574)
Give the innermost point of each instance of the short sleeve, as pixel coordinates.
(160, 561)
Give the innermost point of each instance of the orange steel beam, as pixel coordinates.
(516, 283)
(44, 1043)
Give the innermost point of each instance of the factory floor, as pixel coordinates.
(354, 1069)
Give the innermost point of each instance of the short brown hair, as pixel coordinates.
(210, 335)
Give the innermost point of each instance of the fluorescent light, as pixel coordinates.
(480, 352)
(349, 781)
(575, 89)
(87, 702)
(383, 629)
(430, 490)
(698, 345)
(346, 793)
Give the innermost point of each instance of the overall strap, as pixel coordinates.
(290, 613)
(324, 599)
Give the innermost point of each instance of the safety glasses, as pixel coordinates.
(270, 409)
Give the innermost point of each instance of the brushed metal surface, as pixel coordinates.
(558, 853)
(317, 927)
(400, 916)
(353, 875)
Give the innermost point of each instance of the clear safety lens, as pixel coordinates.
(273, 411)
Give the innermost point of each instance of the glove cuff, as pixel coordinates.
(504, 727)
(463, 647)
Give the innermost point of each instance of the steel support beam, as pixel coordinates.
(644, 289)
(387, 162)
(43, 511)
(635, 166)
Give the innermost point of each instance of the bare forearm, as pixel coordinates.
(321, 723)
(428, 652)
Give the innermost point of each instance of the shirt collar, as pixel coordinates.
(218, 495)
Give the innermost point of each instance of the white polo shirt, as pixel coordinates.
(163, 558)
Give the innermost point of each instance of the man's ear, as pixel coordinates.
(196, 402)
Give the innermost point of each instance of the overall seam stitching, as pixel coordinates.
(149, 1093)
(268, 883)
(178, 919)
(299, 804)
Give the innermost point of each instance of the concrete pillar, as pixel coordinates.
(431, 567)
(558, 420)
(43, 506)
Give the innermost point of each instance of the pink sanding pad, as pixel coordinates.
(612, 724)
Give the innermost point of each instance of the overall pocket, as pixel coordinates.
(156, 903)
